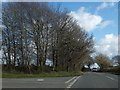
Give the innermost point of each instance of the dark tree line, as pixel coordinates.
(35, 32)
(116, 59)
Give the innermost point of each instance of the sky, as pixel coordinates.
(99, 19)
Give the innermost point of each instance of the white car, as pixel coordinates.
(95, 69)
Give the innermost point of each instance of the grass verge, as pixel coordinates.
(51, 74)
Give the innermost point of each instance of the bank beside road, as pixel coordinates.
(44, 74)
(88, 80)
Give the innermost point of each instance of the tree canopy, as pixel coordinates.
(103, 61)
(35, 32)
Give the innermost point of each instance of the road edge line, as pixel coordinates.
(111, 78)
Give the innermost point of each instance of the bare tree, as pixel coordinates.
(36, 32)
(103, 61)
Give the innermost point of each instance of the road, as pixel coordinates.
(88, 80)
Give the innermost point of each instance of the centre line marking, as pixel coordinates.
(70, 80)
(71, 84)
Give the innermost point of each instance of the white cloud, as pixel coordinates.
(87, 20)
(108, 45)
(105, 5)
(105, 24)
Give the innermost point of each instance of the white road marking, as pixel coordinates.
(71, 84)
(70, 80)
(110, 78)
(40, 80)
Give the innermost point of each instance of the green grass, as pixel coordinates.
(0, 75)
(116, 73)
(113, 70)
(51, 74)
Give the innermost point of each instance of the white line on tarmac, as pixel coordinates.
(71, 84)
(111, 78)
(70, 80)
(40, 80)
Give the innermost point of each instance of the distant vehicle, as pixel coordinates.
(95, 69)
